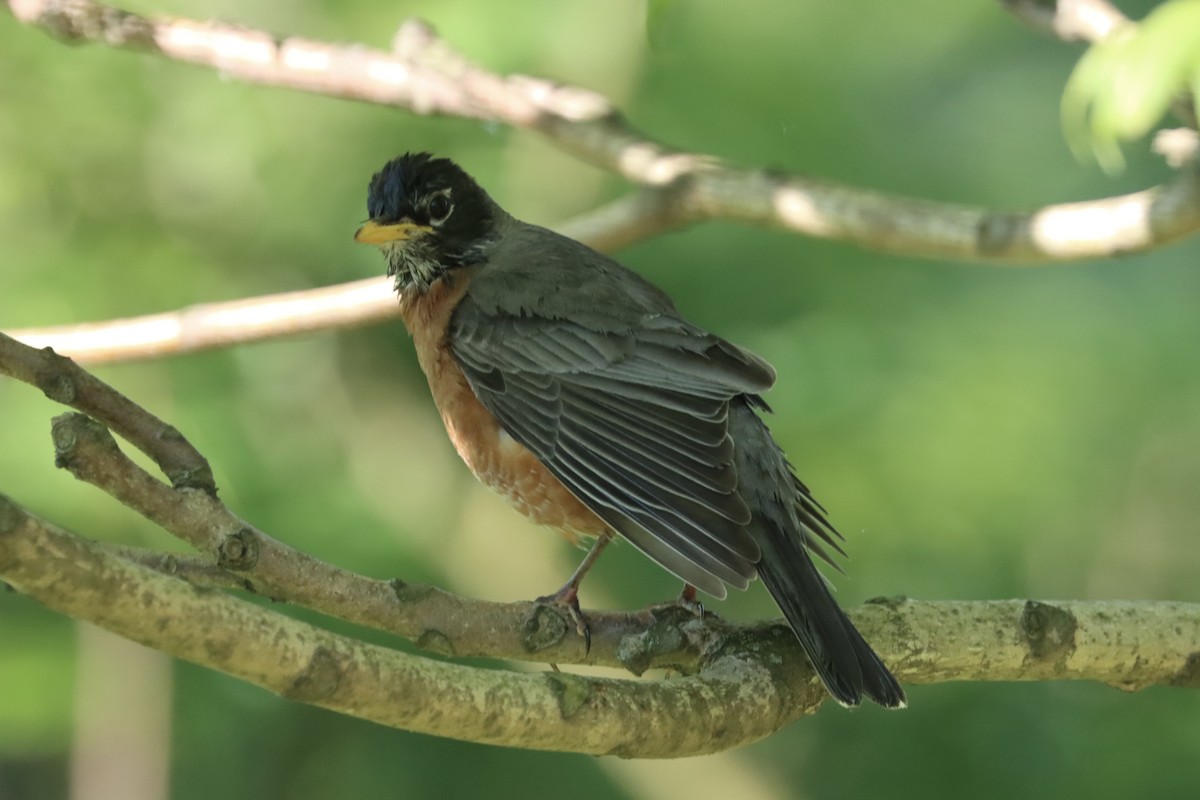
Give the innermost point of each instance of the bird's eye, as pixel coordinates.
(439, 209)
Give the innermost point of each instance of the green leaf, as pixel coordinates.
(1124, 85)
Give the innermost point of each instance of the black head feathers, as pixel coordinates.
(429, 216)
(406, 185)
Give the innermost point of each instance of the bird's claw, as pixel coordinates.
(686, 600)
(694, 606)
(567, 598)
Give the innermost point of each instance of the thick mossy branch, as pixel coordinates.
(753, 679)
(736, 699)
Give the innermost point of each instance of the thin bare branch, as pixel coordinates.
(425, 75)
(1130, 223)
(209, 326)
(199, 571)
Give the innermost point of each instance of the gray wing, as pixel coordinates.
(632, 415)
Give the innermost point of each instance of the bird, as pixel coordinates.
(575, 388)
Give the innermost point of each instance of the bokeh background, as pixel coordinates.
(977, 432)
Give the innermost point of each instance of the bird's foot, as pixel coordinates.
(567, 599)
(686, 600)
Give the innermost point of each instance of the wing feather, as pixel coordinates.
(633, 420)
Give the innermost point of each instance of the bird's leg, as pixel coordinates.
(687, 599)
(568, 596)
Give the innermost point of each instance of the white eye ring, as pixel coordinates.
(440, 208)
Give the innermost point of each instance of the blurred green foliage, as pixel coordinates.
(977, 432)
(1125, 84)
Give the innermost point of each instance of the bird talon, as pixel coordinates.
(686, 600)
(567, 599)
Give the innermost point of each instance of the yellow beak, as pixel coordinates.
(373, 233)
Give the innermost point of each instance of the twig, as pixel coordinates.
(64, 382)
(213, 325)
(1069, 231)
(209, 326)
(426, 76)
(200, 571)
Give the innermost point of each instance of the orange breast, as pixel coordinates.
(498, 460)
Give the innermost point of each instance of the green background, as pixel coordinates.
(977, 432)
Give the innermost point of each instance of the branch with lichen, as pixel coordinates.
(425, 75)
(732, 684)
(752, 679)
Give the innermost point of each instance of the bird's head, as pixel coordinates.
(428, 217)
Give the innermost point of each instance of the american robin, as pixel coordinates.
(574, 388)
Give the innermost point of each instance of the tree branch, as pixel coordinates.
(1068, 231)
(62, 380)
(737, 700)
(253, 560)
(741, 682)
(209, 326)
(424, 75)
(753, 682)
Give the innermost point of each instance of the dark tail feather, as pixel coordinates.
(844, 661)
(785, 517)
